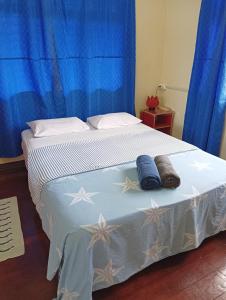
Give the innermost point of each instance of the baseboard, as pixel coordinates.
(12, 167)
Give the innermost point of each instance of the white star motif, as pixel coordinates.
(191, 240)
(222, 224)
(100, 231)
(129, 184)
(195, 197)
(82, 195)
(154, 252)
(200, 166)
(153, 213)
(111, 169)
(106, 274)
(222, 191)
(59, 252)
(67, 295)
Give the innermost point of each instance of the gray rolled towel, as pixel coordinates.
(168, 175)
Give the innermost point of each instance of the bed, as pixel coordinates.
(102, 227)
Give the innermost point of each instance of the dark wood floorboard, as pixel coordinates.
(199, 274)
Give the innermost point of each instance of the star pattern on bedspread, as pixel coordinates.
(191, 239)
(154, 252)
(129, 184)
(100, 231)
(68, 295)
(153, 213)
(106, 274)
(82, 195)
(222, 224)
(59, 252)
(195, 197)
(201, 166)
(223, 191)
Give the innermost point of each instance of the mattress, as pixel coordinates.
(52, 157)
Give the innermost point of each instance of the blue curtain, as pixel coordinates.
(206, 104)
(63, 58)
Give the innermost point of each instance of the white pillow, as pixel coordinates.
(49, 127)
(113, 120)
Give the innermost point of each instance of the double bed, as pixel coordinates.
(102, 227)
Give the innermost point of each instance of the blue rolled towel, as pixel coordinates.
(148, 174)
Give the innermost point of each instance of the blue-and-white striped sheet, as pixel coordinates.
(94, 150)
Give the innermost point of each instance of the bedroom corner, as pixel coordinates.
(113, 183)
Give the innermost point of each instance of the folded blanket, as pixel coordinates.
(168, 175)
(148, 173)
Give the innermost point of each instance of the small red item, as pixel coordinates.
(152, 102)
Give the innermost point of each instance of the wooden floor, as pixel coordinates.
(199, 274)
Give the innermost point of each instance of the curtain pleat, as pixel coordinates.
(63, 58)
(206, 104)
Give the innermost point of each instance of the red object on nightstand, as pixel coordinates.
(161, 118)
(152, 102)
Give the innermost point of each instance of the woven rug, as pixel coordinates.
(11, 237)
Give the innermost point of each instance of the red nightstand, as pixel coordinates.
(161, 119)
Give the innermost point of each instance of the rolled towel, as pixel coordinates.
(148, 173)
(168, 175)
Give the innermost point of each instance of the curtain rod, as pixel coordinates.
(164, 87)
(176, 88)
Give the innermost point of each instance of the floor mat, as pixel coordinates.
(11, 237)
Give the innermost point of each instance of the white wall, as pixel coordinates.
(150, 16)
(180, 29)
